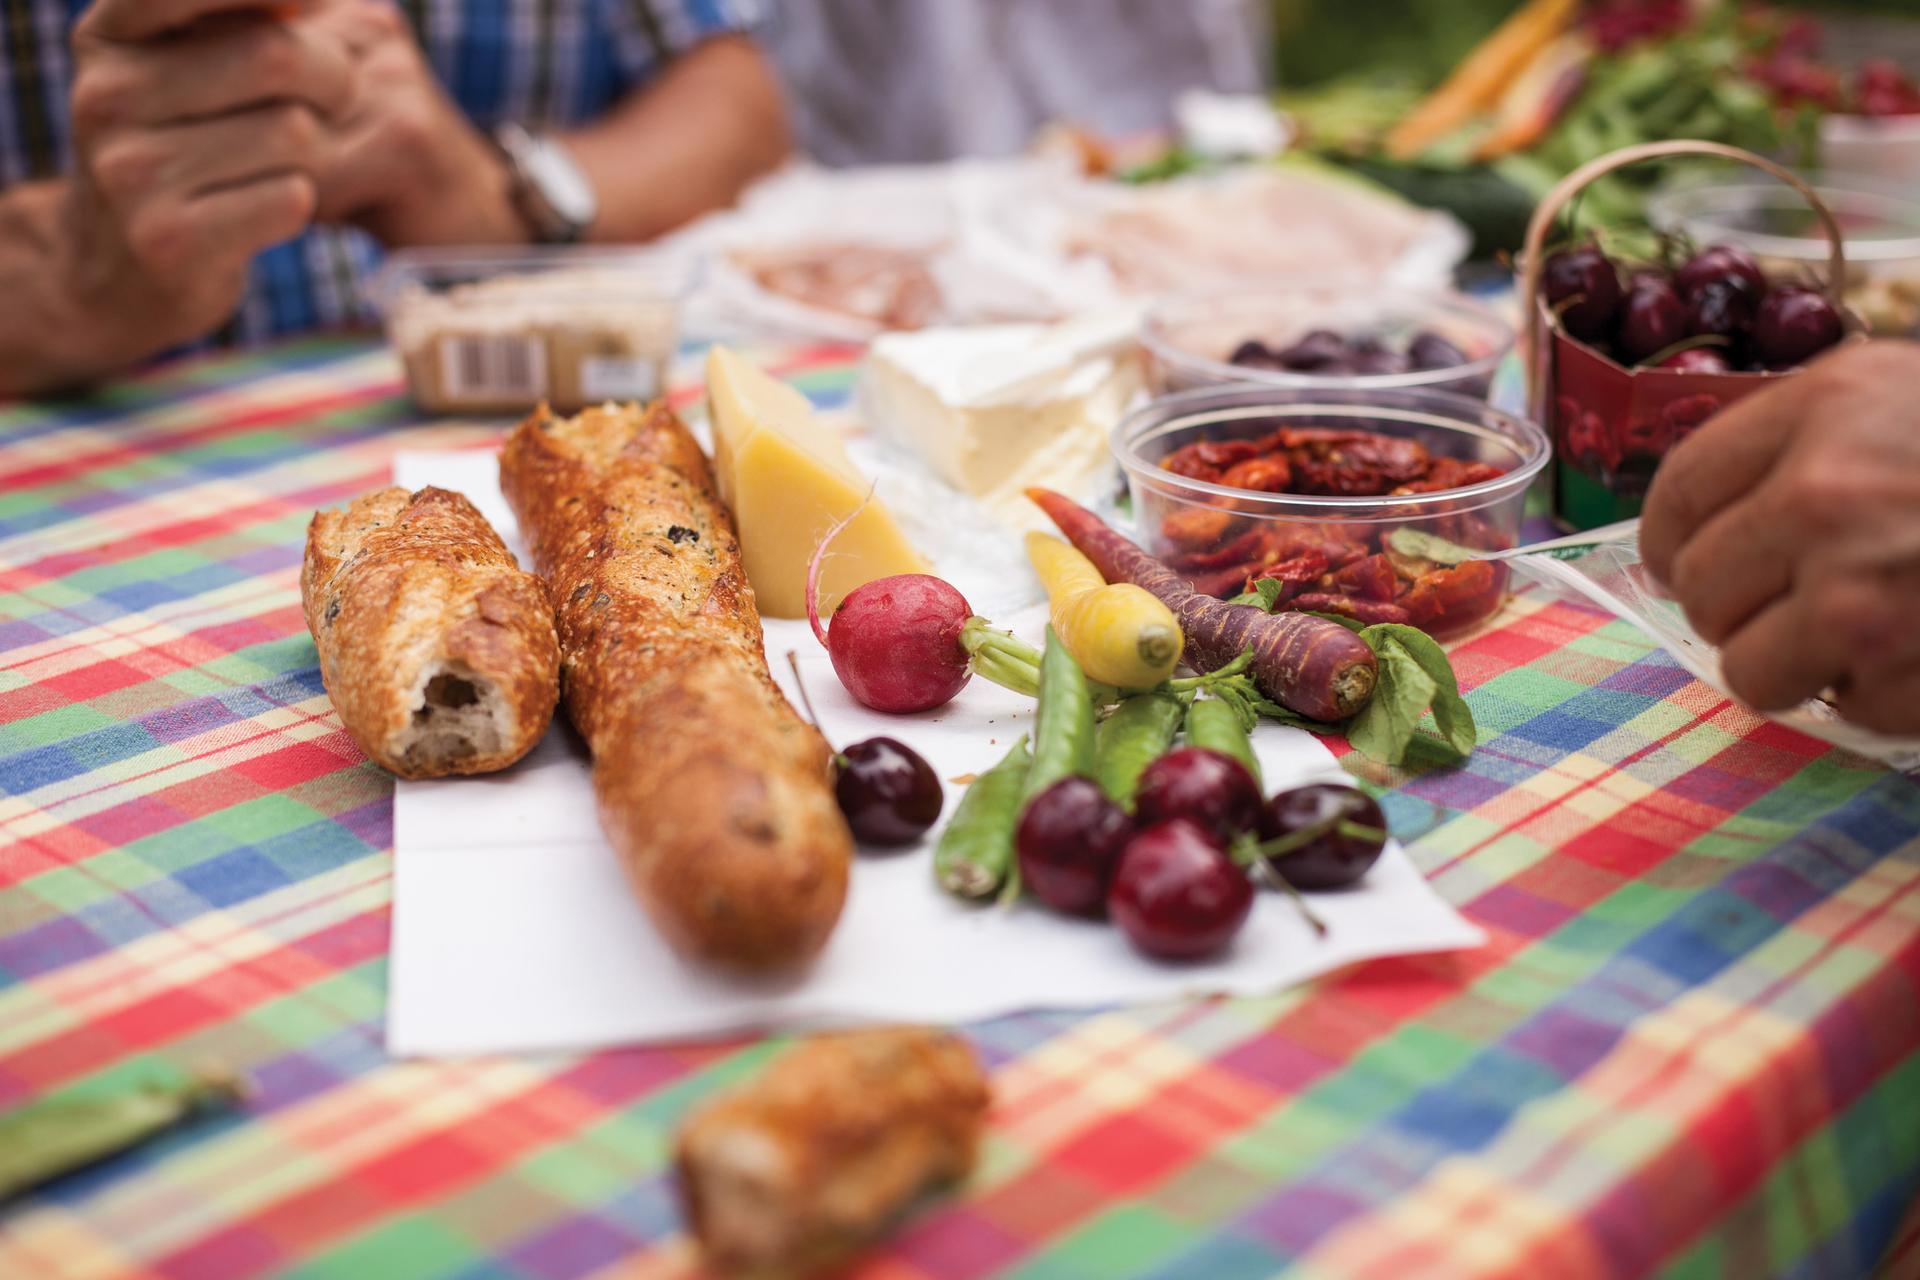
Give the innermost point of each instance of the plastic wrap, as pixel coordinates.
(1612, 575)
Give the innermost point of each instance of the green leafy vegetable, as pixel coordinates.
(1415, 677)
(1421, 545)
(57, 1135)
(1384, 729)
(1399, 645)
(1265, 593)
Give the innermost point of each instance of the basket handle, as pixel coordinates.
(1533, 262)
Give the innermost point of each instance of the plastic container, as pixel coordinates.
(1879, 220)
(1886, 148)
(499, 332)
(1612, 423)
(1189, 340)
(1220, 536)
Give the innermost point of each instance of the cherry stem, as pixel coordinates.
(1294, 841)
(1277, 881)
(800, 683)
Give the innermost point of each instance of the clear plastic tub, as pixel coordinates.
(1190, 340)
(1223, 537)
(499, 331)
(1880, 222)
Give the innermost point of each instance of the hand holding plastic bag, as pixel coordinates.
(1610, 574)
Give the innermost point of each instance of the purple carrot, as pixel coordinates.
(1309, 665)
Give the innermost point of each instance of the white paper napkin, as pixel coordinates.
(514, 929)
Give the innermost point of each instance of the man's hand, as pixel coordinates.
(407, 164)
(1789, 529)
(199, 129)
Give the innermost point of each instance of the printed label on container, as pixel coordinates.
(619, 378)
(485, 368)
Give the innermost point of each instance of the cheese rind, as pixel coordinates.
(923, 389)
(788, 480)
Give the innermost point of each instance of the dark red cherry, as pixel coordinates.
(1206, 787)
(1176, 894)
(889, 794)
(1335, 858)
(1068, 841)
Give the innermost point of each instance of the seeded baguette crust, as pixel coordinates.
(437, 650)
(823, 1150)
(714, 792)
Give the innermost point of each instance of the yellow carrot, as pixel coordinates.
(1119, 633)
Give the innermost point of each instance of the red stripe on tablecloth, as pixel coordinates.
(1780, 1092)
(82, 461)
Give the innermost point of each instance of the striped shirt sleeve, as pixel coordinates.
(650, 33)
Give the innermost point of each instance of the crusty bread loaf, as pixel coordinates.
(824, 1149)
(715, 793)
(437, 649)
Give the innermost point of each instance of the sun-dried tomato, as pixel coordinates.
(1250, 544)
(1207, 459)
(1451, 591)
(1269, 474)
(1225, 583)
(1451, 473)
(1196, 527)
(1368, 611)
(1296, 572)
(1370, 579)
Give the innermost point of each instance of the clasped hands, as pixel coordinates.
(208, 130)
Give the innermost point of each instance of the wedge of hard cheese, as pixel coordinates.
(788, 479)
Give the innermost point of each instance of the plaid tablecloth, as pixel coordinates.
(1692, 1045)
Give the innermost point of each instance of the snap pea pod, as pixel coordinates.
(1136, 734)
(45, 1139)
(1062, 721)
(1216, 726)
(976, 849)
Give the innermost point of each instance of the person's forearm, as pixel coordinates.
(686, 144)
(50, 338)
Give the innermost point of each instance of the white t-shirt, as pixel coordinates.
(912, 81)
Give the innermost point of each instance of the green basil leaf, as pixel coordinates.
(1265, 593)
(1385, 726)
(1451, 715)
(1420, 544)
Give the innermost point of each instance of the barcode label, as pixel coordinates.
(619, 378)
(491, 367)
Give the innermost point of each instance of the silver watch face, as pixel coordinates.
(547, 166)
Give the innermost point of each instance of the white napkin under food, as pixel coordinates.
(514, 929)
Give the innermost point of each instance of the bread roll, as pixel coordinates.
(826, 1148)
(437, 649)
(715, 793)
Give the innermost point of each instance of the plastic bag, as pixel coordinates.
(1611, 575)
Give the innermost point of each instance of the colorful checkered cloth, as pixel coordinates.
(1692, 1045)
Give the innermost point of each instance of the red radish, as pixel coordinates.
(1315, 667)
(895, 642)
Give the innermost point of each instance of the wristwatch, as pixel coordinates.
(549, 189)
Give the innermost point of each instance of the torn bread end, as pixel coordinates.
(458, 714)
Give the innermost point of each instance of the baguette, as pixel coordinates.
(437, 650)
(714, 793)
(824, 1150)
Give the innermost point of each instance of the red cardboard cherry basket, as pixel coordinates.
(1612, 424)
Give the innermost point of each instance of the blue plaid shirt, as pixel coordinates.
(536, 62)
